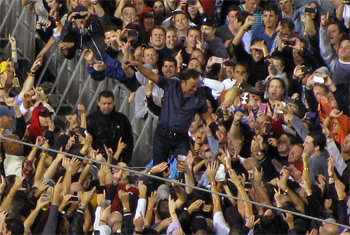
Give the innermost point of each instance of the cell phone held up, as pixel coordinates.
(79, 16)
(310, 10)
(132, 33)
(289, 42)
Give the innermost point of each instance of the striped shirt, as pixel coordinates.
(258, 15)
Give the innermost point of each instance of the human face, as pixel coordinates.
(208, 33)
(231, 16)
(140, 6)
(198, 55)
(314, 6)
(283, 32)
(309, 145)
(295, 153)
(345, 145)
(85, 3)
(171, 39)
(157, 38)
(53, 4)
(74, 3)
(319, 92)
(128, 15)
(148, 23)
(195, 64)
(283, 145)
(278, 65)
(333, 34)
(44, 121)
(169, 69)
(256, 54)
(5, 122)
(192, 37)
(158, 8)
(192, 10)
(252, 5)
(286, 6)
(111, 38)
(150, 56)
(181, 22)
(195, 123)
(201, 137)
(276, 90)
(106, 104)
(190, 86)
(240, 73)
(344, 51)
(254, 101)
(270, 19)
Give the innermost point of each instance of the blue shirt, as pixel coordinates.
(178, 111)
(258, 15)
(114, 70)
(260, 33)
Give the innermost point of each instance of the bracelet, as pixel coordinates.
(235, 123)
(179, 67)
(287, 190)
(306, 168)
(91, 64)
(30, 74)
(10, 196)
(82, 207)
(138, 232)
(331, 176)
(14, 50)
(125, 209)
(213, 183)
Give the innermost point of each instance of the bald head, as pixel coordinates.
(11, 147)
(329, 229)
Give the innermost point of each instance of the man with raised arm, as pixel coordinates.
(182, 100)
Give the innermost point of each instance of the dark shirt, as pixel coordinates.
(216, 48)
(224, 33)
(107, 129)
(178, 111)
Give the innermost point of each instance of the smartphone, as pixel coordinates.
(74, 199)
(217, 60)
(132, 33)
(318, 79)
(191, 2)
(229, 63)
(263, 108)
(79, 16)
(289, 42)
(306, 69)
(310, 10)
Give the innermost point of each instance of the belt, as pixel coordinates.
(171, 134)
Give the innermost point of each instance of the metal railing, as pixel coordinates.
(20, 22)
(73, 85)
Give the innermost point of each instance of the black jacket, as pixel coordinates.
(107, 129)
(93, 40)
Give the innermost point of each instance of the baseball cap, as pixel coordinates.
(4, 111)
(208, 21)
(45, 112)
(133, 25)
(163, 192)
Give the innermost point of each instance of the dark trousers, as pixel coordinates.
(166, 143)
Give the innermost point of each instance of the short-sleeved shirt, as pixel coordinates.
(178, 111)
(258, 15)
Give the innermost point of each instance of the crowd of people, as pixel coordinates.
(252, 99)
